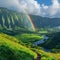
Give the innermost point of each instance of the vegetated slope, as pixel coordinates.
(29, 39)
(48, 55)
(10, 49)
(44, 22)
(12, 20)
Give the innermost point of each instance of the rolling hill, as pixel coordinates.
(10, 49)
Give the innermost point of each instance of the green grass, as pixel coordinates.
(47, 55)
(11, 50)
(28, 39)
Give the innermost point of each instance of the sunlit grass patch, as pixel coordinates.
(17, 49)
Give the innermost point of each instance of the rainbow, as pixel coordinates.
(29, 18)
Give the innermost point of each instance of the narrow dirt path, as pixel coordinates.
(38, 57)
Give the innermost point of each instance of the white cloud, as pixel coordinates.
(51, 11)
(30, 6)
(33, 7)
(55, 7)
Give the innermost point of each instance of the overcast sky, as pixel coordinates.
(46, 8)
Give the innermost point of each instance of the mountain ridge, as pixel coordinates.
(38, 21)
(41, 22)
(14, 20)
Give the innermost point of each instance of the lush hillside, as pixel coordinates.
(28, 39)
(48, 55)
(12, 20)
(10, 49)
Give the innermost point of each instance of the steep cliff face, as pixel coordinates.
(14, 20)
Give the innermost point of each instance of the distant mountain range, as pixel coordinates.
(42, 22)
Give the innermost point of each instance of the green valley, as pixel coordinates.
(19, 40)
